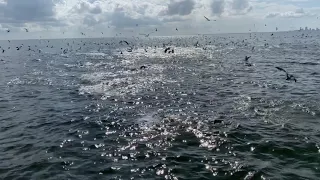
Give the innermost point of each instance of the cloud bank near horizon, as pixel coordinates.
(52, 17)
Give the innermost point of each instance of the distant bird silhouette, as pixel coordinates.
(176, 29)
(208, 19)
(289, 76)
(8, 30)
(26, 29)
(146, 35)
(167, 49)
(143, 67)
(247, 61)
(123, 42)
(18, 48)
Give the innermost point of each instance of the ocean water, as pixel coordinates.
(198, 113)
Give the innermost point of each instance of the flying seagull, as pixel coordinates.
(208, 19)
(247, 58)
(289, 76)
(124, 42)
(146, 35)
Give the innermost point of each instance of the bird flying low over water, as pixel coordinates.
(123, 42)
(289, 76)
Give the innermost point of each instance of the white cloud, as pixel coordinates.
(290, 14)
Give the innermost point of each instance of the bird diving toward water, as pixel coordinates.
(289, 76)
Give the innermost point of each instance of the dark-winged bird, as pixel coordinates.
(289, 76)
(206, 18)
(246, 60)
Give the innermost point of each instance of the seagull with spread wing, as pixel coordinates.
(146, 35)
(208, 19)
(289, 76)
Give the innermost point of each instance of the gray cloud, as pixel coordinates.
(217, 7)
(15, 11)
(181, 7)
(121, 20)
(240, 5)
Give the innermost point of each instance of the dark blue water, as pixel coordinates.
(200, 113)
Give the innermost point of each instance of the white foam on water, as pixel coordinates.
(92, 54)
(121, 86)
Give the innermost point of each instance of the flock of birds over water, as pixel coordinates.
(167, 49)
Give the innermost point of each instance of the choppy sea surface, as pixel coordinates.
(201, 112)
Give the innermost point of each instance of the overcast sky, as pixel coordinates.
(49, 19)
